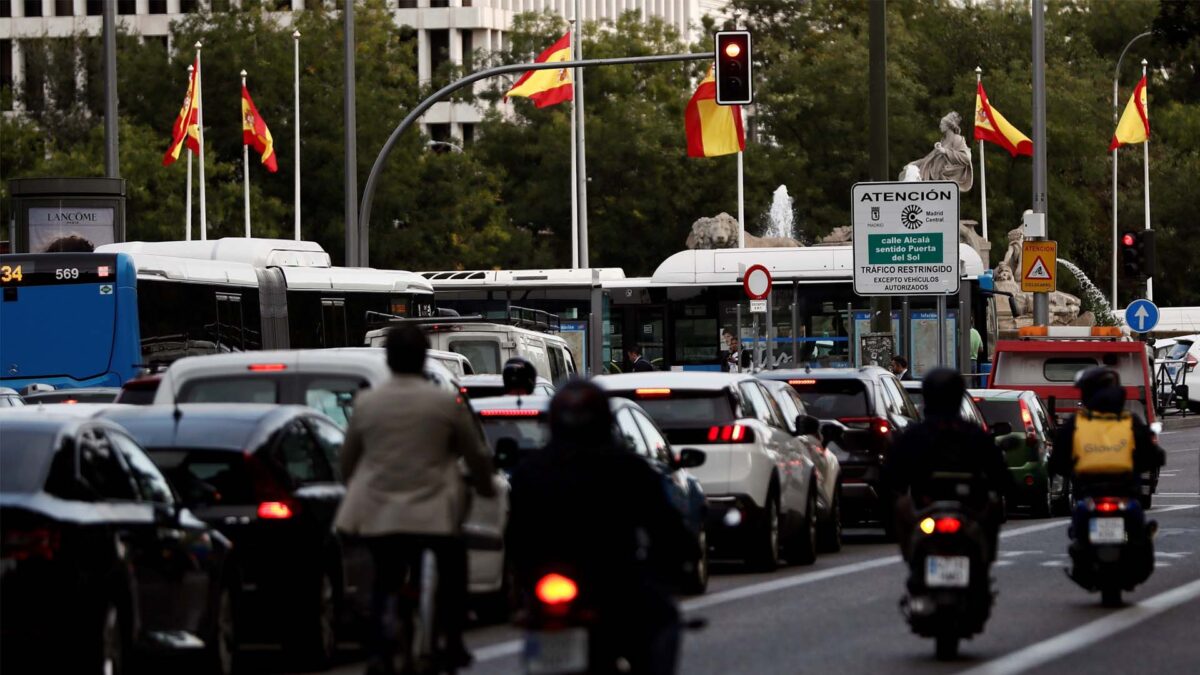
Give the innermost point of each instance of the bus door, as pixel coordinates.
(333, 322)
(648, 331)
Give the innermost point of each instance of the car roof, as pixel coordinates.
(490, 379)
(5, 391)
(703, 381)
(49, 418)
(868, 372)
(219, 426)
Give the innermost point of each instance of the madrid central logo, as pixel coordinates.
(910, 217)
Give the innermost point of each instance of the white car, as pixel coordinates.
(327, 380)
(758, 479)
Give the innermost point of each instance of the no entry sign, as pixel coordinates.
(757, 282)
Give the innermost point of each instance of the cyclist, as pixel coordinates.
(519, 376)
(625, 554)
(405, 492)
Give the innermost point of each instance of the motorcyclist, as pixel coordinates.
(590, 508)
(945, 443)
(519, 375)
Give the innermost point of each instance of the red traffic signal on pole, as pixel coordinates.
(733, 65)
(1137, 254)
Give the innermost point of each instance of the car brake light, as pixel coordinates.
(730, 433)
(70, 401)
(653, 392)
(555, 589)
(876, 424)
(39, 543)
(266, 367)
(948, 525)
(801, 382)
(510, 412)
(274, 511)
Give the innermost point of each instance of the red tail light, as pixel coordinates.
(274, 511)
(1108, 505)
(730, 433)
(40, 543)
(266, 367)
(555, 589)
(877, 425)
(948, 525)
(514, 412)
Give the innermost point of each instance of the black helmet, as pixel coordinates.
(1093, 381)
(519, 375)
(944, 390)
(580, 418)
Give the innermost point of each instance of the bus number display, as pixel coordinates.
(10, 273)
(20, 270)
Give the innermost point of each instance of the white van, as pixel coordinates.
(488, 345)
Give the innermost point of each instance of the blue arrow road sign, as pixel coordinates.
(1141, 316)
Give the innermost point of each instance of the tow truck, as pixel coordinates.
(1045, 360)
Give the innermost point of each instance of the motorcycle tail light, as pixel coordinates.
(274, 511)
(948, 525)
(555, 589)
(1108, 505)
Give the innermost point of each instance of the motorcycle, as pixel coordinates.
(1112, 547)
(949, 587)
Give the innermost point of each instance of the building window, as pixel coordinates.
(406, 4)
(439, 132)
(188, 6)
(468, 134)
(95, 7)
(5, 9)
(468, 50)
(64, 7)
(158, 6)
(33, 7)
(126, 6)
(439, 49)
(439, 3)
(6, 73)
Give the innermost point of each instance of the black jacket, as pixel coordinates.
(642, 365)
(605, 517)
(944, 445)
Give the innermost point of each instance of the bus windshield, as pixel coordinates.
(59, 313)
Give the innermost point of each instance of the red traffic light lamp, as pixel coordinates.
(732, 69)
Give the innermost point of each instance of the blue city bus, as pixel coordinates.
(69, 319)
(101, 318)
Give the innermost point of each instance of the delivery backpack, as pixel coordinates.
(1103, 443)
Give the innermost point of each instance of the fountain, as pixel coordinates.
(1094, 296)
(781, 217)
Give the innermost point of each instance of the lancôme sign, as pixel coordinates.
(906, 238)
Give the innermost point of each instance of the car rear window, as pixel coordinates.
(138, 396)
(206, 476)
(686, 408)
(530, 433)
(833, 398)
(995, 412)
(484, 390)
(484, 355)
(24, 454)
(258, 389)
(1064, 368)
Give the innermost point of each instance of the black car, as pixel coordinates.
(524, 422)
(101, 562)
(874, 408)
(266, 476)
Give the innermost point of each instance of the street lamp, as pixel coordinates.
(1116, 113)
(451, 146)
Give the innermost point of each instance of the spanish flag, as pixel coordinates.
(991, 126)
(255, 132)
(1134, 126)
(548, 87)
(712, 129)
(186, 130)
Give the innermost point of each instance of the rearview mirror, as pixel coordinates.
(506, 453)
(690, 458)
(1001, 429)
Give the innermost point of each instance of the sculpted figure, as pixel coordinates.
(949, 160)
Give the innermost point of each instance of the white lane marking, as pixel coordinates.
(1060, 645)
(1178, 507)
(497, 651)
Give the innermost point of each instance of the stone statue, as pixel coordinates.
(721, 231)
(1012, 256)
(1005, 281)
(1064, 307)
(949, 160)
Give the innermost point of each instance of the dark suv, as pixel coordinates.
(872, 406)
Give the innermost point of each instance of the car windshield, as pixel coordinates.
(688, 409)
(834, 398)
(24, 454)
(996, 411)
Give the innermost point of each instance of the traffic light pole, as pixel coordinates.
(368, 195)
(881, 306)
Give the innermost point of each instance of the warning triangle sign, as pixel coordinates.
(1039, 270)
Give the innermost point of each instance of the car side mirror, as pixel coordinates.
(831, 433)
(808, 425)
(690, 458)
(507, 453)
(1001, 429)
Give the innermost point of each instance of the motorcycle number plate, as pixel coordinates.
(562, 651)
(1106, 530)
(952, 571)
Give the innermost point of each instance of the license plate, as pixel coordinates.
(563, 651)
(947, 571)
(1106, 530)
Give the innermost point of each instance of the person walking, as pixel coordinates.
(406, 493)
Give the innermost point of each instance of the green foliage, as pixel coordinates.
(506, 202)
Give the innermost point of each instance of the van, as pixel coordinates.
(487, 345)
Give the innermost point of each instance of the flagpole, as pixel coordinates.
(188, 199)
(296, 107)
(1146, 183)
(982, 171)
(574, 167)
(200, 128)
(741, 201)
(246, 169)
(580, 144)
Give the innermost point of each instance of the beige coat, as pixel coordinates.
(400, 461)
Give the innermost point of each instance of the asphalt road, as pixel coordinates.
(841, 614)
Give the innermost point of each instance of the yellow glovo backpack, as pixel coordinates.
(1103, 443)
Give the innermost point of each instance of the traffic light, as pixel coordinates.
(733, 68)
(1137, 254)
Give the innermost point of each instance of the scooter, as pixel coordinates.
(949, 587)
(1112, 547)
